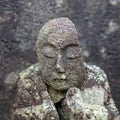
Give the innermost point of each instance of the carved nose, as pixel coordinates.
(59, 64)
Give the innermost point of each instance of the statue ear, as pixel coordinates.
(36, 47)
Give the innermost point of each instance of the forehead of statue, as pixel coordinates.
(62, 39)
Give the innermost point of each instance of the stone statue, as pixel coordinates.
(61, 86)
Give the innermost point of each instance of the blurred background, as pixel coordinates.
(98, 26)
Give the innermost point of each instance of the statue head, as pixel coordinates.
(59, 55)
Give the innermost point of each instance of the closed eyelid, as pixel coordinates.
(49, 45)
(49, 50)
(72, 51)
(71, 45)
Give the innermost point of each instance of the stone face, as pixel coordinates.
(59, 55)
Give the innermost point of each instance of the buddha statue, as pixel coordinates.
(61, 86)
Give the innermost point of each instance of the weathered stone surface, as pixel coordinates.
(19, 22)
(56, 96)
(45, 111)
(59, 55)
(61, 67)
(93, 101)
(32, 100)
(78, 109)
(98, 27)
(94, 19)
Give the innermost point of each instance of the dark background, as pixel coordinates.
(98, 25)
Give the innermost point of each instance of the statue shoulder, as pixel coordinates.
(31, 90)
(95, 74)
(32, 100)
(29, 76)
(97, 86)
(29, 72)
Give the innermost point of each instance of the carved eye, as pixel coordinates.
(49, 51)
(73, 52)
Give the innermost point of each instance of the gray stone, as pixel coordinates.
(19, 21)
(76, 108)
(61, 85)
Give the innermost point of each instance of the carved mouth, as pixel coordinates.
(59, 77)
